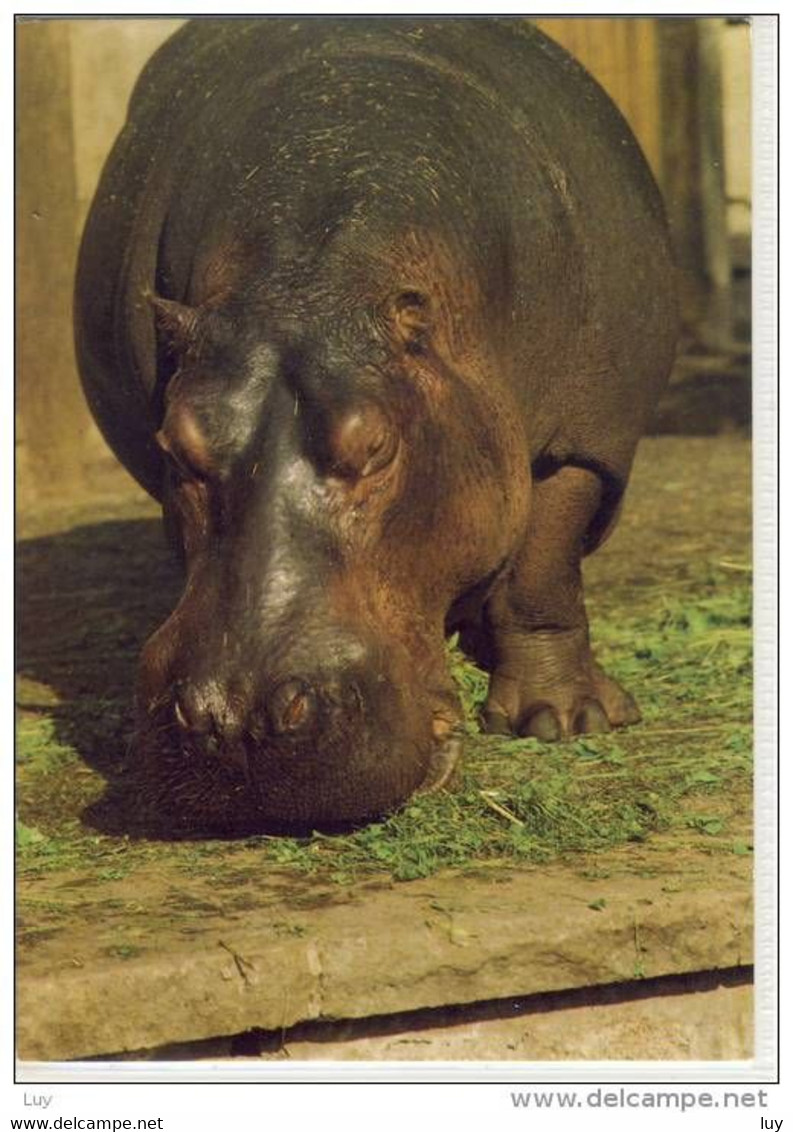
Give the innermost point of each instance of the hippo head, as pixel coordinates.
(328, 490)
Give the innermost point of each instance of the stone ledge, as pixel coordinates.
(378, 948)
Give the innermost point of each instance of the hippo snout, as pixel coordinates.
(303, 747)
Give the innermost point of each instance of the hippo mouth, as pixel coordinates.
(203, 789)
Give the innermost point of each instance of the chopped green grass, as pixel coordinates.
(518, 801)
(38, 745)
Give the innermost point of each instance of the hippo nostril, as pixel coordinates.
(192, 711)
(292, 707)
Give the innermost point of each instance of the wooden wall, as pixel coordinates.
(622, 54)
(73, 80)
(52, 424)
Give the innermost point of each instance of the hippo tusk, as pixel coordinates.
(442, 764)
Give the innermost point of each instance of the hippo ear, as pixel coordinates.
(176, 321)
(411, 317)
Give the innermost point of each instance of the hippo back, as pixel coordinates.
(483, 132)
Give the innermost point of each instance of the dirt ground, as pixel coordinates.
(100, 896)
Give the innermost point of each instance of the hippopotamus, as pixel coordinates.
(378, 309)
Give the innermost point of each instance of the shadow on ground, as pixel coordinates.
(88, 599)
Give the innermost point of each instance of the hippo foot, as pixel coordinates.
(550, 687)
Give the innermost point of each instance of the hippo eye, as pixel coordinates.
(183, 441)
(362, 443)
(175, 460)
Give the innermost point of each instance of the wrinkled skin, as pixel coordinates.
(382, 392)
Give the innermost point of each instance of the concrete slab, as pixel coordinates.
(205, 967)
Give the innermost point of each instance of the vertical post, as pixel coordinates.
(693, 170)
(712, 160)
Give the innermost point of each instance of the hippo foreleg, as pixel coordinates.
(545, 681)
